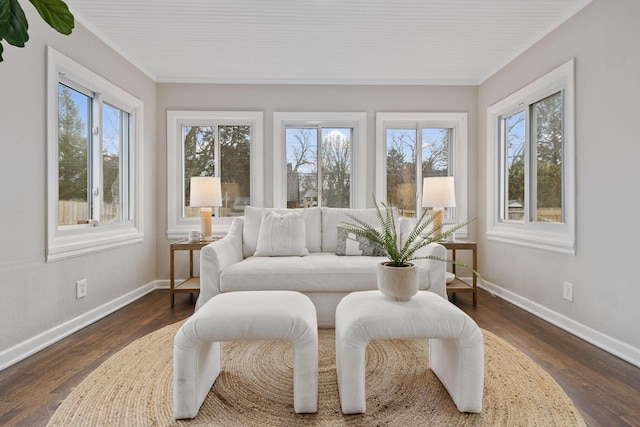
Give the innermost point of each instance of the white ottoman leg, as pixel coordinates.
(459, 365)
(305, 373)
(350, 369)
(196, 366)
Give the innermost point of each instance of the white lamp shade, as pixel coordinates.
(438, 192)
(205, 191)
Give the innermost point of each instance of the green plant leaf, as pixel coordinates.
(56, 14)
(16, 33)
(386, 236)
(1, 50)
(5, 16)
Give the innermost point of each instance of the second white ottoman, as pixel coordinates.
(250, 315)
(456, 348)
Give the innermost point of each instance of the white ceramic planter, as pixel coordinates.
(398, 283)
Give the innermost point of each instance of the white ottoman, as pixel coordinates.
(260, 315)
(456, 348)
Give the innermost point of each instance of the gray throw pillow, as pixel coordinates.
(345, 245)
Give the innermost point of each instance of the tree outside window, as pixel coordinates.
(543, 197)
(89, 185)
(73, 160)
(222, 148)
(114, 143)
(403, 151)
(306, 149)
(548, 139)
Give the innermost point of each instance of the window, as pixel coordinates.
(93, 166)
(212, 143)
(222, 148)
(318, 158)
(531, 157)
(413, 146)
(93, 144)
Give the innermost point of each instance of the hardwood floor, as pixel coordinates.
(605, 389)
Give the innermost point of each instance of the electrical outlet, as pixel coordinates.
(567, 291)
(81, 288)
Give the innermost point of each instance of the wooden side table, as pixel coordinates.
(191, 284)
(458, 285)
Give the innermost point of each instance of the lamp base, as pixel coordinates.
(437, 222)
(205, 223)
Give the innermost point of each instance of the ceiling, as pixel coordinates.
(322, 41)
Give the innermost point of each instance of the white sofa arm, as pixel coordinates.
(217, 256)
(435, 268)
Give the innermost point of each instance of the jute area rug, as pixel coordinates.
(133, 388)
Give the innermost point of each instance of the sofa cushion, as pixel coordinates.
(318, 272)
(281, 235)
(251, 228)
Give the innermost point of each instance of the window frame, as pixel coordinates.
(355, 120)
(458, 122)
(554, 237)
(75, 240)
(177, 225)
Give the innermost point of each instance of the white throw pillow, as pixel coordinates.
(253, 216)
(282, 235)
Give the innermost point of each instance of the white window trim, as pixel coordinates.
(177, 226)
(552, 237)
(459, 122)
(84, 239)
(356, 120)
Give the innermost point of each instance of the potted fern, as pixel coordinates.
(398, 277)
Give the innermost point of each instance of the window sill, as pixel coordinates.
(552, 242)
(219, 227)
(91, 241)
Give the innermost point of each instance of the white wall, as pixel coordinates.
(604, 38)
(317, 98)
(37, 296)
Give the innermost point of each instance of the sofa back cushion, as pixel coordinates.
(251, 228)
(332, 217)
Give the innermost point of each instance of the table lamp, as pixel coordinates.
(205, 193)
(438, 192)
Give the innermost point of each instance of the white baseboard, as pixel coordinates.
(26, 348)
(165, 284)
(611, 345)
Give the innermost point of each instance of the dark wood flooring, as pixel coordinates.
(605, 389)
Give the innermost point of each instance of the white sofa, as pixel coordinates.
(229, 264)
